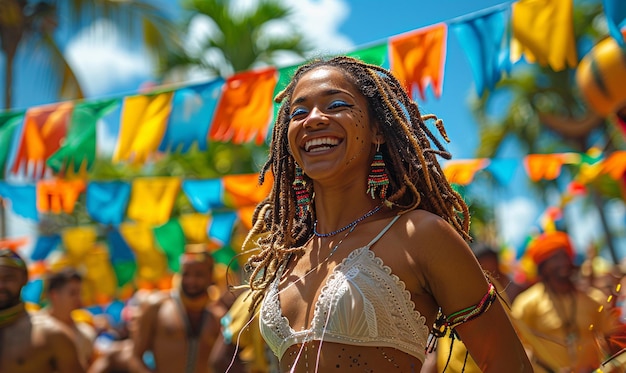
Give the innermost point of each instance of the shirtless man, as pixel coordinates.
(116, 356)
(179, 328)
(63, 290)
(29, 344)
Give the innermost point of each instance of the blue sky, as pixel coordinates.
(108, 66)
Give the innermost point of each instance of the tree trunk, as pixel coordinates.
(8, 101)
(599, 203)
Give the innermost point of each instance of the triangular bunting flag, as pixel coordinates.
(195, 227)
(56, 195)
(192, 113)
(9, 123)
(462, 171)
(171, 239)
(152, 199)
(244, 111)
(204, 195)
(615, 165)
(79, 147)
(44, 246)
(151, 262)
(543, 31)
(107, 201)
(119, 251)
(244, 190)
(377, 54)
(486, 44)
(547, 166)
(221, 226)
(142, 126)
(44, 129)
(418, 58)
(615, 11)
(79, 241)
(503, 170)
(99, 275)
(23, 199)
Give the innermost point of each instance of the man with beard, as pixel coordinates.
(179, 328)
(570, 326)
(29, 344)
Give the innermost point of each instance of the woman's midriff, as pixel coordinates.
(340, 357)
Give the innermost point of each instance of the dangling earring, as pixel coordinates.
(303, 198)
(378, 178)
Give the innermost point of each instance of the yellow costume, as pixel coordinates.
(238, 329)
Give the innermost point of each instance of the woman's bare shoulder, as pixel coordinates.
(428, 229)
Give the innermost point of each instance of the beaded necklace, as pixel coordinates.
(9, 315)
(350, 225)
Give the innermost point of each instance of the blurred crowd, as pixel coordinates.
(569, 313)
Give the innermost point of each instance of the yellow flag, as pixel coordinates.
(543, 31)
(151, 262)
(99, 275)
(152, 199)
(79, 241)
(143, 123)
(195, 227)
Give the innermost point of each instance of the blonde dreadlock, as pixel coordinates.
(416, 178)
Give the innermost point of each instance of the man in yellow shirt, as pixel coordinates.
(567, 324)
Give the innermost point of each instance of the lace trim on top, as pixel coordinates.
(376, 310)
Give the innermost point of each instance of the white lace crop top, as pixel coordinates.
(362, 303)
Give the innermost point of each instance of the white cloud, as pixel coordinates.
(101, 61)
(105, 64)
(320, 21)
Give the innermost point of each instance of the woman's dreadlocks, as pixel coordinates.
(416, 178)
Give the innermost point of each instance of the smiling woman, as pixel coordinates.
(362, 239)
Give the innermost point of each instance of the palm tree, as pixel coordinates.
(545, 114)
(23, 22)
(26, 23)
(241, 39)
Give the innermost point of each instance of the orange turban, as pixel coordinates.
(542, 247)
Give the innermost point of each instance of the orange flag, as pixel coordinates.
(13, 243)
(462, 171)
(245, 109)
(418, 58)
(45, 128)
(245, 216)
(543, 31)
(152, 199)
(615, 165)
(143, 123)
(547, 166)
(57, 195)
(244, 190)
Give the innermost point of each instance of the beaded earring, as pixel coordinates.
(303, 198)
(378, 181)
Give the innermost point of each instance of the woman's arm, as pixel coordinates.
(455, 279)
